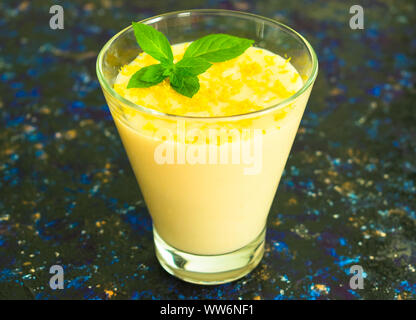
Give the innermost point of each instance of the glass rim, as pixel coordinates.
(307, 84)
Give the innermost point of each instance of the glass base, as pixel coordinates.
(209, 269)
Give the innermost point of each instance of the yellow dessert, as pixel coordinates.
(208, 194)
(250, 82)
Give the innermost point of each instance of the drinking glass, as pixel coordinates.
(209, 216)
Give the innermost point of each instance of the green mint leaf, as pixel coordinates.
(147, 76)
(217, 47)
(183, 84)
(198, 57)
(153, 42)
(168, 69)
(192, 66)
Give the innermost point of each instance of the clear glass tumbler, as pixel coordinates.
(209, 216)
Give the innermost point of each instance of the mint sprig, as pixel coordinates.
(147, 76)
(153, 42)
(185, 85)
(197, 58)
(192, 66)
(217, 47)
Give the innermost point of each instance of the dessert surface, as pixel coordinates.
(252, 81)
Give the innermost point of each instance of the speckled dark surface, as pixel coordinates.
(68, 195)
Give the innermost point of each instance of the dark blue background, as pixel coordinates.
(68, 195)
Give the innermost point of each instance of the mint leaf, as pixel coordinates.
(185, 85)
(217, 47)
(198, 57)
(192, 66)
(153, 42)
(147, 76)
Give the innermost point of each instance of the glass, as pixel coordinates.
(209, 218)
